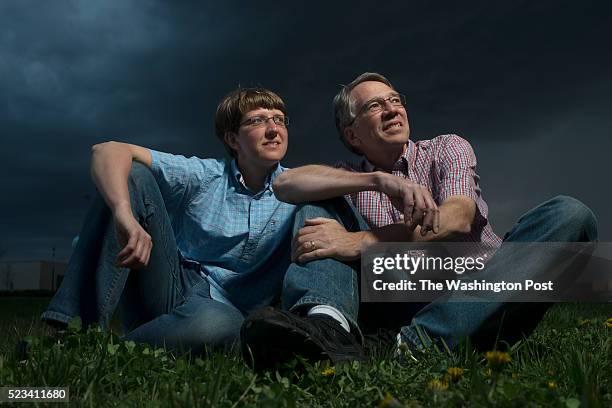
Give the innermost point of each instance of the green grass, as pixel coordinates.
(566, 362)
(19, 318)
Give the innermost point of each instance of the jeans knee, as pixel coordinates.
(144, 190)
(335, 208)
(313, 210)
(215, 327)
(576, 216)
(140, 174)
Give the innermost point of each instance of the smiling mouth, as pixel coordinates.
(394, 125)
(272, 144)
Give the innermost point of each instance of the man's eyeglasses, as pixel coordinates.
(376, 105)
(258, 121)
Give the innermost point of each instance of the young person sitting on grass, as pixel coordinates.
(186, 248)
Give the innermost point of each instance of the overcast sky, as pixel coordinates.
(529, 84)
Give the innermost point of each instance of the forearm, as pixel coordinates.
(110, 167)
(318, 182)
(456, 218)
(389, 233)
(457, 215)
(444, 235)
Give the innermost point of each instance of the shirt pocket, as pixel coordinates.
(272, 226)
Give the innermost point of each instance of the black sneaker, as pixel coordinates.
(271, 337)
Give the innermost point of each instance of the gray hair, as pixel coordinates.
(345, 110)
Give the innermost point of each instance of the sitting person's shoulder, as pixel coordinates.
(448, 139)
(195, 166)
(219, 166)
(446, 142)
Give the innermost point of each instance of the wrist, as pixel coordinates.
(366, 239)
(380, 180)
(122, 208)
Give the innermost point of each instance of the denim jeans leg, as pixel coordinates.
(198, 322)
(324, 281)
(93, 284)
(561, 219)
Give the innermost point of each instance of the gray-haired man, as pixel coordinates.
(423, 191)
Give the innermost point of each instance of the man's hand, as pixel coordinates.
(135, 242)
(414, 201)
(325, 238)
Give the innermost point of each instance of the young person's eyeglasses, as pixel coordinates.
(258, 121)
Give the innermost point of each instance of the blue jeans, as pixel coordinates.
(561, 219)
(325, 281)
(168, 303)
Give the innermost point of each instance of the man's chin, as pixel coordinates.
(398, 137)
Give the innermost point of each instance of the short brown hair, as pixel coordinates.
(235, 104)
(344, 105)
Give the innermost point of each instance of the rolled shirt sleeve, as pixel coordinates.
(177, 177)
(457, 172)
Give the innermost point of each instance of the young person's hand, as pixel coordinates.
(413, 200)
(325, 238)
(135, 242)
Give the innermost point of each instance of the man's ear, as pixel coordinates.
(350, 136)
(230, 139)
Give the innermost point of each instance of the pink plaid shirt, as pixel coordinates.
(447, 166)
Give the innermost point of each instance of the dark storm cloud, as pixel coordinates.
(528, 84)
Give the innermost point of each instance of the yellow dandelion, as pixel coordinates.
(552, 385)
(609, 323)
(437, 385)
(497, 359)
(328, 372)
(454, 373)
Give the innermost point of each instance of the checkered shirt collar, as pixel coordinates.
(405, 162)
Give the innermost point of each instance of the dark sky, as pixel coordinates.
(529, 84)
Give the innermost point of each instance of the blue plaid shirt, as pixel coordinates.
(240, 238)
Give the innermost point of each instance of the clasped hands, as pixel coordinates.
(327, 238)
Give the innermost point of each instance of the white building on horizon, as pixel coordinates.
(31, 275)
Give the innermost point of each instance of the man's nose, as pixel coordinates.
(389, 110)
